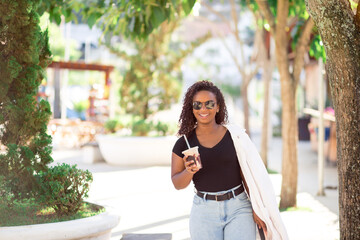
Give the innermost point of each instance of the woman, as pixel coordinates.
(221, 208)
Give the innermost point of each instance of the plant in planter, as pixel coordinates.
(24, 56)
(25, 175)
(162, 128)
(63, 188)
(80, 108)
(141, 127)
(111, 125)
(132, 149)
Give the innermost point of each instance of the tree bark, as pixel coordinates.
(268, 69)
(244, 95)
(340, 33)
(290, 139)
(266, 59)
(289, 124)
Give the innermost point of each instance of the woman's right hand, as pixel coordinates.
(190, 165)
(182, 171)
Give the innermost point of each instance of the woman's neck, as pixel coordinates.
(207, 129)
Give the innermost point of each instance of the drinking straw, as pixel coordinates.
(187, 143)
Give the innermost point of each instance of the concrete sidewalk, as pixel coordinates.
(148, 203)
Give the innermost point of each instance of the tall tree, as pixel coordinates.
(247, 67)
(339, 27)
(267, 63)
(266, 60)
(153, 80)
(280, 25)
(24, 54)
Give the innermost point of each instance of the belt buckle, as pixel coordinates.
(216, 198)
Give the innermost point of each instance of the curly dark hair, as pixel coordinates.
(187, 121)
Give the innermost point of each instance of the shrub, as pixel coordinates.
(111, 125)
(81, 106)
(20, 164)
(162, 128)
(63, 187)
(141, 127)
(24, 56)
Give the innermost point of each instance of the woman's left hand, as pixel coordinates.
(260, 223)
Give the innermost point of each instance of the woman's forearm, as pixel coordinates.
(182, 179)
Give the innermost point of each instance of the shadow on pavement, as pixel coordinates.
(147, 226)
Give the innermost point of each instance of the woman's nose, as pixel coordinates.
(203, 107)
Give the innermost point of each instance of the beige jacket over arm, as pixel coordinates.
(262, 195)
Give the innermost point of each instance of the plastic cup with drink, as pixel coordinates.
(193, 154)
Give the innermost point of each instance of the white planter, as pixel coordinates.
(136, 151)
(91, 228)
(91, 153)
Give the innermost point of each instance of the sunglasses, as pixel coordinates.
(208, 104)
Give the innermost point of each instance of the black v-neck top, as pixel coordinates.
(221, 169)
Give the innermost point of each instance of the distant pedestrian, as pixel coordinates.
(233, 190)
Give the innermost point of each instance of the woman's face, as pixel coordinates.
(205, 107)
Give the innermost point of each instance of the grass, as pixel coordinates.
(28, 213)
(293, 209)
(270, 171)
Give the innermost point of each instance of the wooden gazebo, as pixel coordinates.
(74, 132)
(60, 65)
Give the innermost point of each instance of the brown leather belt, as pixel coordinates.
(222, 197)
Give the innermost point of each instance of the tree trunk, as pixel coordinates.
(289, 152)
(289, 123)
(268, 69)
(266, 58)
(57, 88)
(244, 95)
(341, 36)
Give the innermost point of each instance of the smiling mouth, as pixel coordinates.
(204, 115)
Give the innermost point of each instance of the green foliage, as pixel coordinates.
(354, 4)
(20, 164)
(270, 171)
(298, 15)
(317, 49)
(83, 78)
(233, 90)
(141, 127)
(57, 41)
(24, 55)
(58, 8)
(162, 128)
(132, 19)
(24, 172)
(297, 8)
(188, 5)
(111, 125)
(64, 187)
(153, 80)
(81, 106)
(293, 209)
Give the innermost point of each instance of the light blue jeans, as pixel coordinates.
(224, 220)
